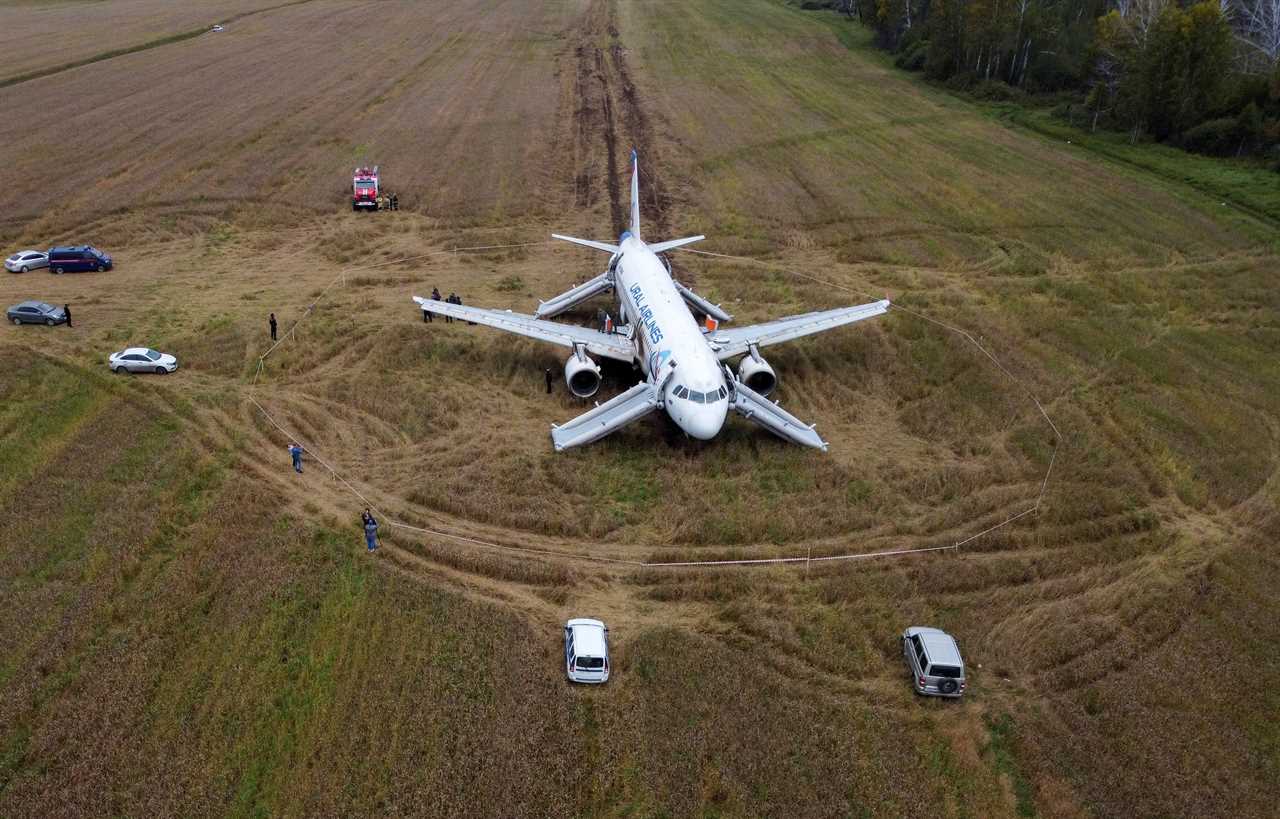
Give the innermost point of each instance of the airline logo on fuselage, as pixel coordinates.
(645, 315)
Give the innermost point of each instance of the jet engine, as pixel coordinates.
(582, 375)
(756, 373)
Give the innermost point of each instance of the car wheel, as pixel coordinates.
(23, 269)
(948, 686)
(120, 370)
(161, 371)
(57, 270)
(101, 268)
(49, 322)
(17, 322)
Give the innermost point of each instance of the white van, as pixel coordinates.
(586, 651)
(937, 669)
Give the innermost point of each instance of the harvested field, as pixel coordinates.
(187, 627)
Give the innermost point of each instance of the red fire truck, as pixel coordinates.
(364, 188)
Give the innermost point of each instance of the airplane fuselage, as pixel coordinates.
(671, 347)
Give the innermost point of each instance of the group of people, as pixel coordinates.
(367, 520)
(453, 298)
(388, 201)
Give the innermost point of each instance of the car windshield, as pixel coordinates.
(44, 308)
(945, 671)
(153, 355)
(365, 183)
(591, 663)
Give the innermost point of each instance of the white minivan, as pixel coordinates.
(586, 651)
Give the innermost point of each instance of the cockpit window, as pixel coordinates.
(724, 393)
(696, 397)
(680, 391)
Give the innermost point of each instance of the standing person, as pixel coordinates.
(272, 322)
(550, 378)
(295, 451)
(370, 529)
(66, 308)
(452, 299)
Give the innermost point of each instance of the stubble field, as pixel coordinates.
(187, 627)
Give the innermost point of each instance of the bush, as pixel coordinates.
(996, 91)
(913, 57)
(1216, 137)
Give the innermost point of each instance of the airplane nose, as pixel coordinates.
(705, 422)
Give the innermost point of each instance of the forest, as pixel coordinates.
(1203, 76)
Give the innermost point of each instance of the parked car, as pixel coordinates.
(934, 659)
(78, 258)
(36, 312)
(25, 260)
(142, 360)
(586, 651)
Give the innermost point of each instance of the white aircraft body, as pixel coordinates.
(682, 361)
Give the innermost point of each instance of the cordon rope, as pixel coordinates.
(643, 564)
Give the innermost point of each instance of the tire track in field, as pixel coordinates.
(609, 118)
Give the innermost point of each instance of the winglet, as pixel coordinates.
(635, 194)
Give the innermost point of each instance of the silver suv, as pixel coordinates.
(934, 660)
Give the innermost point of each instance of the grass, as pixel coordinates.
(1001, 748)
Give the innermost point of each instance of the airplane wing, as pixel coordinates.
(769, 414)
(728, 343)
(609, 345)
(612, 415)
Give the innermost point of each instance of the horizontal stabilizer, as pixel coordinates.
(593, 287)
(755, 407)
(605, 246)
(612, 415)
(675, 243)
(698, 302)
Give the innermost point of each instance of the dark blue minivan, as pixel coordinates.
(81, 257)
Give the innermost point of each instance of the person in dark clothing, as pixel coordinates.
(370, 529)
(295, 452)
(272, 322)
(66, 308)
(459, 303)
(451, 299)
(550, 378)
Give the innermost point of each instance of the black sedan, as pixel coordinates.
(36, 312)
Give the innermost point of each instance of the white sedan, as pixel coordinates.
(25, 260)
(142, 360)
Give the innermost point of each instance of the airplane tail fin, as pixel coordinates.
(635, 194)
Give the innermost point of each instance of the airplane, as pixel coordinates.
(683, 364)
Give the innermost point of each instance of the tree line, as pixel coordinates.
(1203, 75)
